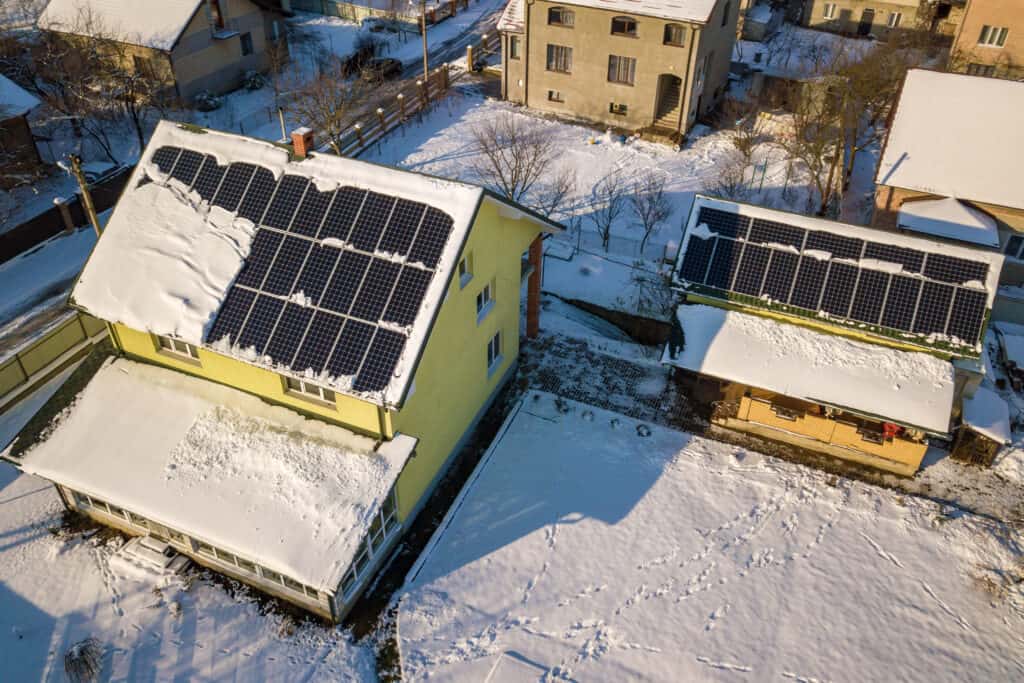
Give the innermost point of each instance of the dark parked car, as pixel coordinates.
(381, 69)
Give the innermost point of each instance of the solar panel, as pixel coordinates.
(723, 264)
(380, 362)
(261, 254)
(966, 318)
(187, 166)
(405, 221)
(286, 200)
(375, 290)
(290, 328)
(408, 295)
(343, 212)
(231, 315)
(810, 278)
(236, 180)
(370, 224)
(838, 291)
(165, 157)
(344, 284)
(870, 296)
(286, 265)
(311, 211)
(770, 232)
(316, 271)
(260, 324)
(723, 223)
(431, 238)
(933, 308)
(954, 270)
(351, 348)
(318, 342)
(836, 245)
(209, 178)
(696, 258)
(901, 302)
(778, 279)
(752, 269)
(912, 260)
(257, 196)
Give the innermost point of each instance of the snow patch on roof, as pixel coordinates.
(14, 100)
(295, 495)
(957, 136)
(512, 19)
(913, 389)
(950, 219)
(139, 22)
(987, 413)
(678, 10)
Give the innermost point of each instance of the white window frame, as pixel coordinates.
(513, 47)
(993, 36)
(559, 59)
(177, 348)
(308, 390)
(621, 70)
(829, 10)
(894, 19)
(465, 270)
(494, 355)
(484, 302)
(386, 519)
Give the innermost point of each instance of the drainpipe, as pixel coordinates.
(684, 106)
(533, 288)
(526, 53)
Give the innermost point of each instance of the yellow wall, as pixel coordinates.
(349, 412)
(452, 382)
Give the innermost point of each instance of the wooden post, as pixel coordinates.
(424, 94)
(469, 58)
(401, 106)
(444, 77)
(383, 121)
(65, 213)
(90, 208)
(359, 133)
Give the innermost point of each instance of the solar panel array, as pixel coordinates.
(897, 289)
(332, 280)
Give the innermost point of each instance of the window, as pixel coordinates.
(894, 19)
(270, 575)
(275, 30)
(205, 548)
(116, 511)
(618, 108)
(305, 389)
(484, 301)
(993, 36)
(513, 47)
(245, 565)
(294, 585)
(621, 69)
(177, 348)
(246, 41)
(494, 352)
(555, 96)
(362, 557)
(675, 34)
(981, 69)
(624, 26)
(144, 66)
(465, 270)
(1013, 246)
(830, 10)
(216, 16)
(560, 16)
(560, 58)
(725, 14)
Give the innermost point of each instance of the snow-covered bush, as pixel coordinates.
(207, 101)
(82, 661)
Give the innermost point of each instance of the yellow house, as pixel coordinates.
(380, 304)
(192, 45)
(850, 341)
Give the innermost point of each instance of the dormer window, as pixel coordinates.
(560, 16)
(624, 26)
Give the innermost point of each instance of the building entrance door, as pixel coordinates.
(866, 20)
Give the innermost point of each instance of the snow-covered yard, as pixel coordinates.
(56, 591)
(587, 546)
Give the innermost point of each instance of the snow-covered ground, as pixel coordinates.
(57, 591)
(43, 272)
(797, 52)
(587, 546)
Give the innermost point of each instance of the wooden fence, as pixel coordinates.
(61, 345)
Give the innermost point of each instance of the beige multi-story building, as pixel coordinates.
(632, 65)
(192, 45)
(990, 40)
(883, 19)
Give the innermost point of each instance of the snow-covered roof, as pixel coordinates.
(140, 22)
(957, 136)
(512, 19)
(950, 219)
(988, 414)
(168, 258)
(294, 494)
(698, 11)
(910, 388)
(14, 100)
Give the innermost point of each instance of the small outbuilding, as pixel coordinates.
(19, 158)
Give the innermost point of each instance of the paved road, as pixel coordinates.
(454, 48)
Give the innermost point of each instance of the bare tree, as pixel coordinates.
(511, 156)
(729, 180)
(326, 103)
(609, 196)
(815, 140)
(550, 196)
(651, 206)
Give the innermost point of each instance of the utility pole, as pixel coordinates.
(423, 32)
(90, 208)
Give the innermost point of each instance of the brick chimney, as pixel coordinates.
(302, 142)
